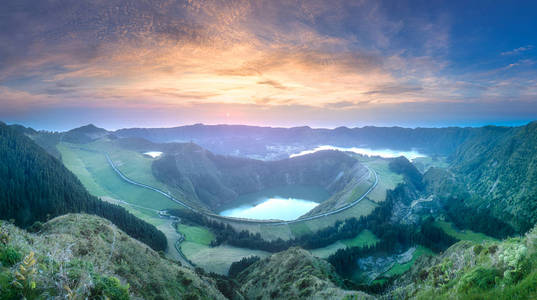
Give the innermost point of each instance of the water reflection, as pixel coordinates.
(272, 208)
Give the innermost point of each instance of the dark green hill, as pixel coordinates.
(499, 170)
(216, 180)
(34, 186)
(84, 134)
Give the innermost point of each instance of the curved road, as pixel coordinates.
(268, 222)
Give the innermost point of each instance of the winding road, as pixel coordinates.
(240, 220)
(181, 238)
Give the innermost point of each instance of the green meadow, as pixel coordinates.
(364, 238)
(463, 235)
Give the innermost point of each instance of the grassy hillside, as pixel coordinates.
(472, 270)
(83, 256)
(293, 274)
(463, 235)
(34, 186)
(364, 238)
(100, 179)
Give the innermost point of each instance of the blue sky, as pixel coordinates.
(125, 63)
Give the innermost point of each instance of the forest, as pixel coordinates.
(35, 187)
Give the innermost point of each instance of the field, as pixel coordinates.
(196, 234)
(218, 259)
(463, 235)
(93, 170)
(101, 180)
(387, 179)
(424, 163)
(364, 238)
(398, 268)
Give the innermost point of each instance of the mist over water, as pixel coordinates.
(272, 208)
(153, 154)
(385, 153)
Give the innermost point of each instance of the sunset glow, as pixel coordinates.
(281, 63)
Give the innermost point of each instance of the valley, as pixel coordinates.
(89, 161)
(382, 213)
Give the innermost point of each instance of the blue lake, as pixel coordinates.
(273, 208)
(282, 203)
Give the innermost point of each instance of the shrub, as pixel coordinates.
(239, 266)
(191, 296)
(480, 278)
(478, 249)
(4, 236)
(225, 287)
(9, 256)
(110, 287)
(493, 249)
(77, 269)
(7, 291)
(186, 281)
(24, 278)
(36, 227)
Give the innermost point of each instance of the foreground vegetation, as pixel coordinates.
(476, 270)
(81, 256)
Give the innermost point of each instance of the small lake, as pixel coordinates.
(282, 203)
(386, 153)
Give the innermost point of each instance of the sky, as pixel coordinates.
(162, 63)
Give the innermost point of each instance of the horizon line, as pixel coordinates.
(495, 124)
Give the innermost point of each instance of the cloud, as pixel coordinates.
(394, 90)
(522, 62)
(213, 51)
(518, 50)
(272, 55)
(273, 83)
(347, 104)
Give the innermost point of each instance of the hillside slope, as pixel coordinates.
(293, 274)
(499, 169)
(84, 254)
(470, 270)
(35, 186)
(217, 180)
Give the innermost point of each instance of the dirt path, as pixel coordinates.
(173, 238)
